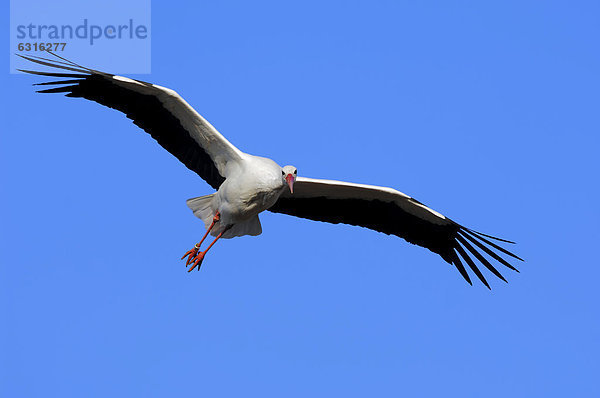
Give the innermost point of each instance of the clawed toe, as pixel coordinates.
(196, 261)
(190, 255)
(195, 256)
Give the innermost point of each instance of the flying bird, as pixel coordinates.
(247, 185)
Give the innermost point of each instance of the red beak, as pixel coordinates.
(290, 180)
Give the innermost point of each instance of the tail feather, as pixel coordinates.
(201, 206)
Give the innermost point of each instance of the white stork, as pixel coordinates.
(247, 185)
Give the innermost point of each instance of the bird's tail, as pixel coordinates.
(201, 206)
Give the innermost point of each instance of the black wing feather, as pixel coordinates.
(489, 251)
(472, 265)
(455, 259)
(480, 257)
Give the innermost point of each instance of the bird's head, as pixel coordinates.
(289, 173)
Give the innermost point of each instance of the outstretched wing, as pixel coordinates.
(159, 111)
(392, 212)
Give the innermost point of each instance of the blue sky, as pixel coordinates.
(485, 111)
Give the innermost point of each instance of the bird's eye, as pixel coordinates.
(296, 171)
(283, 173)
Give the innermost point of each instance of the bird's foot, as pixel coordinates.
(191, 254)
(196, 260)
(195, 256)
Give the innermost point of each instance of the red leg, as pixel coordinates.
(192, 252)
(197, 259)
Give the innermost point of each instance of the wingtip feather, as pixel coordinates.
(472, 265)
(487, 250)
(460, 267)
(495, 246)
(490, 236)
(480, 257)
